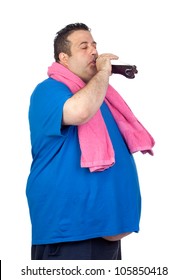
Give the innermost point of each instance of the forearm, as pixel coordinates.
(83, 105)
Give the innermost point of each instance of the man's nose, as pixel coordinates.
(93, 50)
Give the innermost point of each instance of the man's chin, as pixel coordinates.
(89, 76)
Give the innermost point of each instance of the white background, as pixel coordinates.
(149, 34)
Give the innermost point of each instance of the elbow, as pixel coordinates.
(76, 116)
(83, 116)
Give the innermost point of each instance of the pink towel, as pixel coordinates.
(97, 152)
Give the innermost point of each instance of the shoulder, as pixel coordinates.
(51, 88)
(51, 84)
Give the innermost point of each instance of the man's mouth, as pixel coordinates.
(93, 62)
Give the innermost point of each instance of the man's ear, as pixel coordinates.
(63, 58)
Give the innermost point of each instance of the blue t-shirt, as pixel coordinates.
(67, 202)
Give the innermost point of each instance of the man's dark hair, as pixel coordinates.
(61, 44)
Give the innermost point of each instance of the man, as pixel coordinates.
(82, 190)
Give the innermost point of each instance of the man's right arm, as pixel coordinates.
(84, 104)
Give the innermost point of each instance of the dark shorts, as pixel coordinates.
(91, 249)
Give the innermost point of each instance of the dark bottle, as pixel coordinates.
(126, 70)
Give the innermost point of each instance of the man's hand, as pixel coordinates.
(103, 62)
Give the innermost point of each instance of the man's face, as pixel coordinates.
(83, 55)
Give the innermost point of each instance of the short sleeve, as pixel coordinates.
(46, 108)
